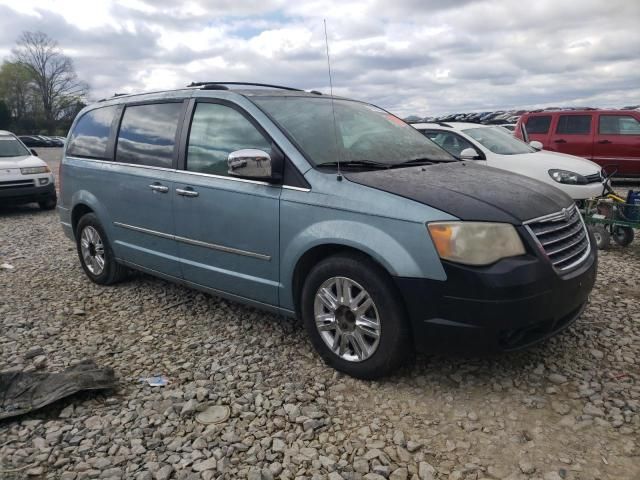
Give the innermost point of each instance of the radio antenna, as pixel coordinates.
(333, 108)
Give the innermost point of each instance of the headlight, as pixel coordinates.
(475, 243)
(34, 170)
(565, 176)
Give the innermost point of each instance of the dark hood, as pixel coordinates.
(468, 191)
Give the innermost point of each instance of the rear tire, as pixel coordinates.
(602, 236)
(623, 236)
(96, 256)
(354, 317)
(48, 204)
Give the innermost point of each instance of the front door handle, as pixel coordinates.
(187, 192)
(157, 187)
(560, 140)
(605, 141)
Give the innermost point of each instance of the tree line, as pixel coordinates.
(40, 92)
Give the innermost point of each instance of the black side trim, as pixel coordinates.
(113, 134)
(293, 177)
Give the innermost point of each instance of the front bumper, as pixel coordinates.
(27, 194)
(581, 192)
(512, 304)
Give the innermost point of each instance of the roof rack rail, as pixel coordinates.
(443, 124)
(222, 86)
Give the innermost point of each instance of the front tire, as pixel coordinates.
(96, 256)
(354, 318)
(48, 204)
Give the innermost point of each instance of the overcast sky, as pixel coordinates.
(409, 56)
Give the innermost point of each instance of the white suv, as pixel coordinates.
(496, 147)
(24, 178)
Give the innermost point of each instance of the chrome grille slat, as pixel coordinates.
(565, 247)
(572, 254)
(574, 229)
(555, 228)
(562, 237)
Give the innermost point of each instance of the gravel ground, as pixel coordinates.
(568, 409)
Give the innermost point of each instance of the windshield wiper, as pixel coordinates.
(356, 164)
(413, 162)
(419, 161)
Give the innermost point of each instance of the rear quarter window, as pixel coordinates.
(618, 125)
(90, 136)
(538, 124)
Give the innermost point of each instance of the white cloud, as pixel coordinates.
(282, 41)
(411, 56)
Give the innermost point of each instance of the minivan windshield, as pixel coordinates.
(361, 134)
(11, 147)
(499, 141)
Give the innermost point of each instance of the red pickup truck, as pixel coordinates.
(611, 138)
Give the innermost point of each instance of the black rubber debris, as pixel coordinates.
(23, 392)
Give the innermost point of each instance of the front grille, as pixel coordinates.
(563, 238)
(17, 184)
(595, 178)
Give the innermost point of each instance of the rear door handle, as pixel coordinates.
(157, 187)
(187, 192)
(605, 141)
(560, 140)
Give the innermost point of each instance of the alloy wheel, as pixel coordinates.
(347, 319)
(92, 250)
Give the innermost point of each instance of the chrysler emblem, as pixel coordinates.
(566, 214)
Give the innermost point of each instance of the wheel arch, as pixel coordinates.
(84, 202)
(312, 257)
(401, 249)
(79, 211)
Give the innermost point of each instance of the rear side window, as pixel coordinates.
(618, 125)
(452, 143)
(216, 131)
(574, 124)
(538, 124)
(148, 134)
(91, 134)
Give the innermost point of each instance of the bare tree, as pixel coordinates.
(52, 72)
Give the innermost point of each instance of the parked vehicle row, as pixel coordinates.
(506, 118)
(24, 178)
(610, 138)
(325, 208)
(499, 117)
(496, 147)
(42, 141)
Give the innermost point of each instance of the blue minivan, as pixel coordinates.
(327, 209)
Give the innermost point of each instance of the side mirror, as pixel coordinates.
(254, 164)
(536, 144)
(469, 154)
(33, 152)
